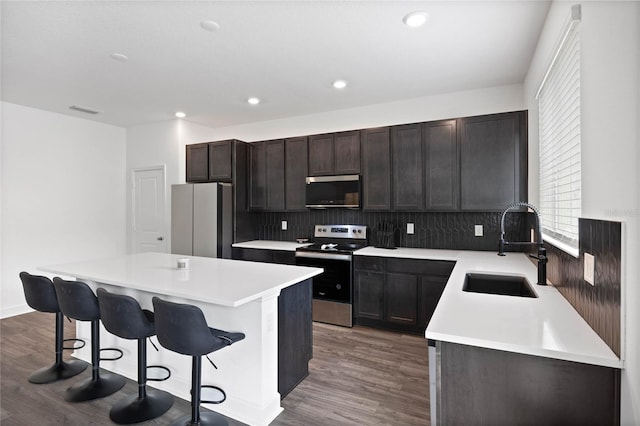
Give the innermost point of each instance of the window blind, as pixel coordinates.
(559, 134)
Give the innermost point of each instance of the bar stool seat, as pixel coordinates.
(123, 317)
(77, 301)
(182, 328)
(41, 296)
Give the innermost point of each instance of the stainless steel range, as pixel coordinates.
(333, 290)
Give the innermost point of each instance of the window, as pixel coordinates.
(559, 134)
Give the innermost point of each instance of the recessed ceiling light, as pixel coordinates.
(253, 101)
(339, 84)
(210, 26)
(180, 114)
(415, 19)
(120, 57)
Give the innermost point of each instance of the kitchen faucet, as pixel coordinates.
(542, 252)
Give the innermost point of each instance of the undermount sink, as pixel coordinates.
(506, 285)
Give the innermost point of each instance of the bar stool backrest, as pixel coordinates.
(182, 328)
(77, 300)
(122, 316)
(39, 292)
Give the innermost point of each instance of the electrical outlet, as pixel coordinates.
(284, 225)
(479, 230)
(589, 268)
(410, 228)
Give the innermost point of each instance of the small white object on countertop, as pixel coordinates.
(270, 245)
(546, 326)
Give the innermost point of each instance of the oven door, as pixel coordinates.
(335, 283)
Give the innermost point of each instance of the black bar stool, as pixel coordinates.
(41, 296)
(77, 301)
(122, 316)
(183, 329)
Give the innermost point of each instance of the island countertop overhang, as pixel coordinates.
(222, 282)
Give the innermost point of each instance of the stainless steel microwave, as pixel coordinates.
(333, 191)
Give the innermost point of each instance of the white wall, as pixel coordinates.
(610, 111)
(149, 145)
(428, 108)
(155, 144)
(63, 194)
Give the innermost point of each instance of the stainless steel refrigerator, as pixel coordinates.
(202, 219)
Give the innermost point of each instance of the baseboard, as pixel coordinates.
(15, 310)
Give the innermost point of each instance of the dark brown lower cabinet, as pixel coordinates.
(398, 294)
(481, 386)
(401, 295)
(260, 255)
(369, 295)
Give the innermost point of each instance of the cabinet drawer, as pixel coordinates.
(369, 263)
(420, 267)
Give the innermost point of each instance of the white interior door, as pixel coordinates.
(149, 233)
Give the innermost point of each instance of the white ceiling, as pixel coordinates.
(56, 54)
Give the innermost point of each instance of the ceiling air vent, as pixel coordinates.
(83, 109)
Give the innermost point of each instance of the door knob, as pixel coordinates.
(160, 238)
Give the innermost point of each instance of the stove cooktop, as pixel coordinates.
(338, 239)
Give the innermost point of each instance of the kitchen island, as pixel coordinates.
(235, 296)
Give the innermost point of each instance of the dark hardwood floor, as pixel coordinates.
(358, 376)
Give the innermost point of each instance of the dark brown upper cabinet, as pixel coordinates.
(198, 162)
(266, 182)
(215, 161)
(406, 152)
(376, 169)
(442, 176)
(274, 154)
(493, 161)
(296, 170)
(220, 161)
(334, 154)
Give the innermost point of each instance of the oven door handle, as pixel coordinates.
(328, 256)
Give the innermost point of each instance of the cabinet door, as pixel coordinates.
(369, 295)
(376, 169)
(431, 288)
(295, 172)
(258, 176)
(492, 161)
(220, 161)
(347, 153)
(321, 155)
(406, 150)
(402, 298)
(442, 183)
(197, 162)
(274, 153)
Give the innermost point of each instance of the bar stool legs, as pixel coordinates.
(98, 385)
(61, 369)
(208, 418)
(148, 403)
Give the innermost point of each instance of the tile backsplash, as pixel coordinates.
(432, 230)
(599, 304)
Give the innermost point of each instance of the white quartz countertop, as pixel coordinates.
(218, 281)
(270, 245)
(546, 326)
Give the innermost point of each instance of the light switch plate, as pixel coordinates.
(589, 268)
(479, 230)
(284, 225)
(410, 228)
